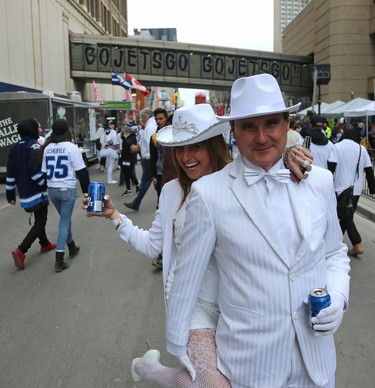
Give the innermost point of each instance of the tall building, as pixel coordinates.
(284, 12)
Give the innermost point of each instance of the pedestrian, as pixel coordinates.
(63, 162)
(273, 241)
(98, 146)
(24, 175)
(109, 150)
(199, 149)
(348, 162)
(320, 147)
(143, 147)
(128, 157)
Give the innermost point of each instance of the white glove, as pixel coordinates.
(185, 361)
(329, 319)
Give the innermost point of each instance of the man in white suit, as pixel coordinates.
(274, 241)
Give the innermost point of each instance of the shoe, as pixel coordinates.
(101, 169)
(356, 250)
(73, 249)
(19, 258)
(111, 182)
(137, 188)
(152, 355)
(131, 206)
(158, 262)
(60, 264)
(47, 248)
(126, 193)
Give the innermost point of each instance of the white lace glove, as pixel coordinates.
(185, 361)
(329, 319)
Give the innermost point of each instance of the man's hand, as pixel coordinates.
(329, 319)
(297, 157)
(185, 361)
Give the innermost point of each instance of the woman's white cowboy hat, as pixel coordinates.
(191, 125)
(257, 95)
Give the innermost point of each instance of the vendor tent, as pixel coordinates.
(357, 103)
(332, 106)
(315, 109)
(367, 110)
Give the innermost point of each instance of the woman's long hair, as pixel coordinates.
(219, 157)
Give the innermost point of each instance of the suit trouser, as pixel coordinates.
(348, 225)
(298, 376)
(38, 230)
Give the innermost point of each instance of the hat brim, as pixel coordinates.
(289, 109)
(58, 138)
(166, 138)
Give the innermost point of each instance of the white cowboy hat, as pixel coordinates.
(191, 125)
(257, 95)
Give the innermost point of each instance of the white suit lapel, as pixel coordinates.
(302, 207)
(253, 204)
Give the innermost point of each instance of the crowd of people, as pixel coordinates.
(238, 250)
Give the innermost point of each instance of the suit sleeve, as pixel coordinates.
(197, 244)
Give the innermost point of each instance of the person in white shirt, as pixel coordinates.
(63, 162)
(347, 153)
(320, 146)
(109, 150)
(199, 149)
(273, 241)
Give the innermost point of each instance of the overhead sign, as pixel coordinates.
(154, 61)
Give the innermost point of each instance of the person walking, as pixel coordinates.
(273, 242)
(62, 163)
(144, 147)
(109, 150)
(348, 162)
(24, 175)
(128, 157)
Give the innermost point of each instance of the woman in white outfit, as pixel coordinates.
(199, 149)
(109, 150)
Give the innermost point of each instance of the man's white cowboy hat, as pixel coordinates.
(257, 95)
(191, 125)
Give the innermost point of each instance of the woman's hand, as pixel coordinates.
(110, 210)
(296, 158)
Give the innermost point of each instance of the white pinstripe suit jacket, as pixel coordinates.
(261, 297)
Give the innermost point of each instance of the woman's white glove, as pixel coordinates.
(329, 319)
(185, 361)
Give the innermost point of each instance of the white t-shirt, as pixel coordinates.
(60, 161)
(345, 154)
(321, 153)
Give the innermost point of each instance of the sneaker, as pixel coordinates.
(111, 182)
(131, 206)
(19, 258)
(126, 193)
(158, 262)
(47, 248)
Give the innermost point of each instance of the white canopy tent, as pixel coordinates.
(367, 110)
(357, 103)
(315, 109)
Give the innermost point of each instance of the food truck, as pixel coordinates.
(46, 108)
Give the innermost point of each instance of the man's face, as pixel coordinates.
(261, 140)
(161, 120)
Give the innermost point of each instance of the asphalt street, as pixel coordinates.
(82, 327)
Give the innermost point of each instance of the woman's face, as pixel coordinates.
(194, 159)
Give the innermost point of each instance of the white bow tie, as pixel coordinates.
(253, 176)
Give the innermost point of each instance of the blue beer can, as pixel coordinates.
(318, 300)
(96, 194)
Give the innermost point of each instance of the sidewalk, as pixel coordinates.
(366, 207)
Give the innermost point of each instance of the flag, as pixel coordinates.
(96, 91)
(137, 85)
(119, 79)
(128, 95)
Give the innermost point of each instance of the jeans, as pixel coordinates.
(38, 230)
(63, 200)
(145, 182)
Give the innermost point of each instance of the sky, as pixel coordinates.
(246, 24)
